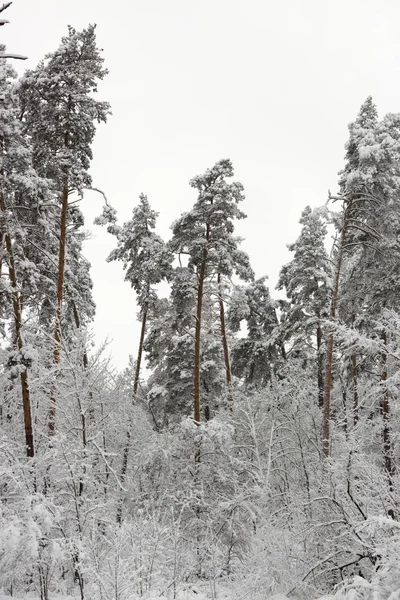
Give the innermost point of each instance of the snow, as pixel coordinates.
(53, 597)
(188, 593)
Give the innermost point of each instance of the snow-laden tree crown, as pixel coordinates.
(250, 449)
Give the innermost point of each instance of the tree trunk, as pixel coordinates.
(199, 314)
(77, 320)
(354, 377)
(355, 387)
(2, 244)
(60, 282)
(387, 446)
(326, 442)
(140, 353)
(320, 366)
(124, 467)
(85, 363)
(26, 402)
(225, 343)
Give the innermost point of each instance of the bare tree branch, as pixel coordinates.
(5, 5)
(16, 56)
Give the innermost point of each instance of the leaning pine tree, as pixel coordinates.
(146, 261)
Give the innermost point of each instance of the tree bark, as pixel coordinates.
(354, 377)
(320, 366)
(387, 446)
(326, 442)
(355, 387)
(125, 456)
(60, 281)
(140, 353)
(26, 402)
(77, 320)
(199, 314)
(85, 363)
(225, 343)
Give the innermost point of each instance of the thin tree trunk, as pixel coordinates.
(354, 376)
(280, 342)
(140, 353)
(2, 243)
(225, 343)
(124, 467)
(77, 320)
(320, 366)
(26, 402)
(85, 362)
(387, 446)
(60, 283)
(197, 342)
(326, 442)
(355, 386)
(197, 350)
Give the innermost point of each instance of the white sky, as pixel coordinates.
(270, 84)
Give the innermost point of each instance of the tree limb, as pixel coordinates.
(5, 5)
(16, 56)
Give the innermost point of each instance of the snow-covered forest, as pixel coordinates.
(250, 450)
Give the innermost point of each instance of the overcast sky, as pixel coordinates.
(271, 85)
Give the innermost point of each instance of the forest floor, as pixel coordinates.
(190, 593)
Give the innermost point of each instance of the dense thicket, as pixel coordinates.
(258, 452)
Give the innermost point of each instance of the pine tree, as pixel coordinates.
(354, 192)
(21, 193)
(367, 240)
(375, 234)
(146, 261)
(255, 357)
(305, 280)
(59, 112)
(205, 234)
(170, 352)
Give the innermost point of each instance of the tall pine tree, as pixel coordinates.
(205, 234)
(59, 114)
